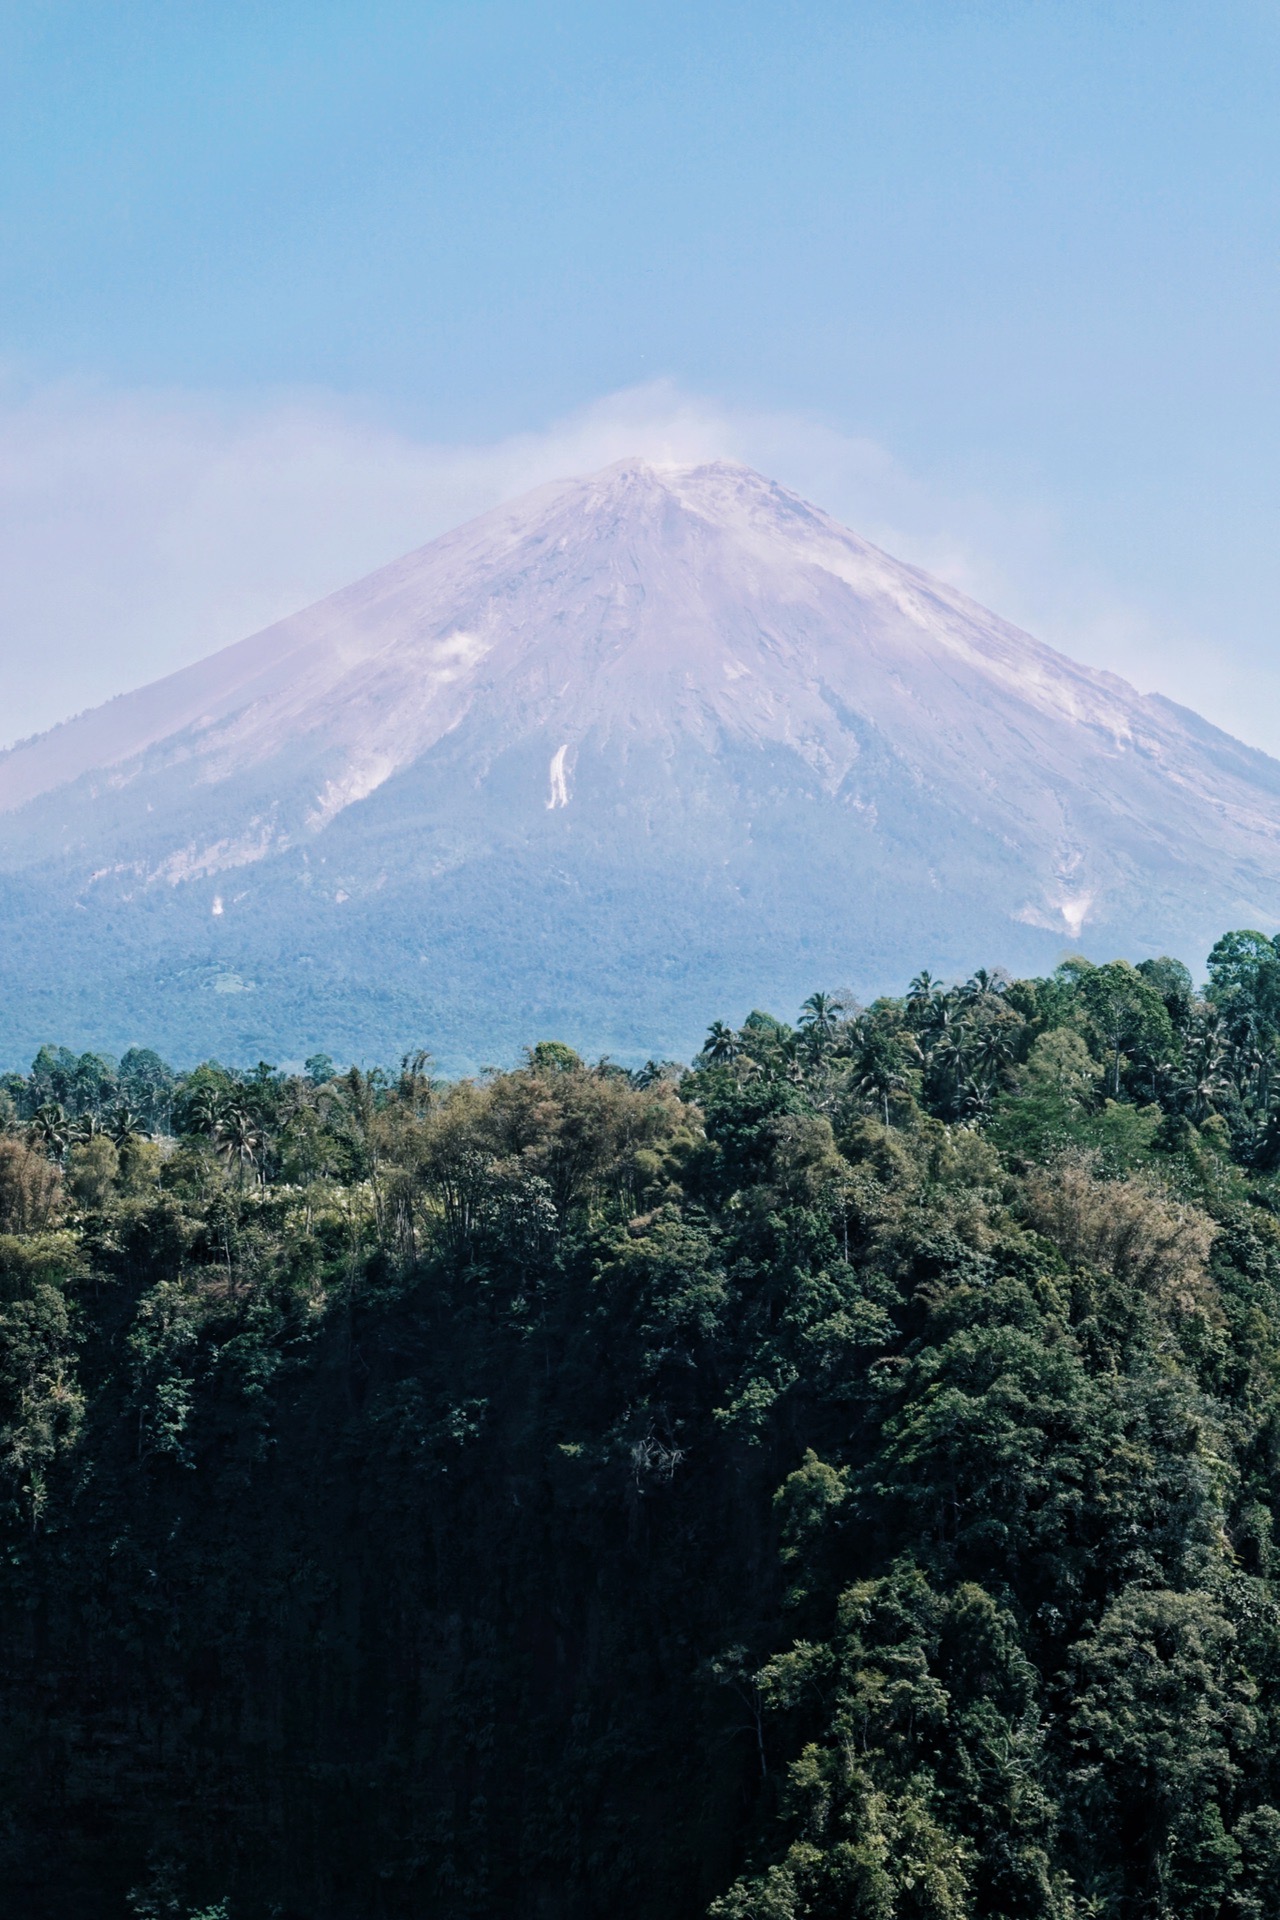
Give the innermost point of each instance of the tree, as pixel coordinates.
(1245, 966)
(984, 984)
(49, 1128)
(93, 1166)
(820, 1016)
(147, 1084)
(721, 1045)
(125, 1125)
(1174, 984)
(1202, 1077)
(1061, 1065)
(30, 1188)
(923, 989)
(203, 1108)
(881, 1068)
(553, 1056)
(52, 1077)
(967, 1059)
(1163, 1714)
(1126, 1013)
(238, 1137)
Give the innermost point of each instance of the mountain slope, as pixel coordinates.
(631, 743)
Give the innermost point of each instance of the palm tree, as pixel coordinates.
(975, 1098)
(1267, 1061)
(1249, 1053)
(820, 1014)
(722, 1044)
(205, 1109)
(983, 983)
(1266, 1139)
(881, 1068)
(1202, 1079)
(937, 1016)
(48, 1128)
(415, 1085)
(239, 1137)
(923, 989)
(991, 1051)
(788, 1059)
(1161, 1074)
(126, 1125)
(948, 1057)
(353, 1107)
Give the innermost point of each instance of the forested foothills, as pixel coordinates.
(838, 1478)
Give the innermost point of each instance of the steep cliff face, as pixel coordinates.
(633, 745)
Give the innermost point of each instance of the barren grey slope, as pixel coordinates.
(627, 752)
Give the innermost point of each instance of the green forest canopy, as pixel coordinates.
(836, 1479)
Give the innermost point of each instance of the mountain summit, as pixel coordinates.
(631, 750)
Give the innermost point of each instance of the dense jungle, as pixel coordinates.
(836, 1479)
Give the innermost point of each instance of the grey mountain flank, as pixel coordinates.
(629, 752)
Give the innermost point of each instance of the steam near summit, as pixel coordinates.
(633, 745)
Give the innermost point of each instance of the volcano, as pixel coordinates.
(631, 752)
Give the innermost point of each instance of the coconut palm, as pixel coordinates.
(48, 1128)
(948, 1056)
(923, 989)
(976, 1098)
(789, 1057)
(415, 1086)
(1249, 1054)
(238, 1137)
(882, 1068)
(938, 1016)
(820, 1014)
(126, 1125)
(204, 1110)
(983, 984)
(1203, 1078)
(991, 1050)
(353, 1107)
(722, 1044)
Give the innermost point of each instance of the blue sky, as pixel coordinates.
(285, 289)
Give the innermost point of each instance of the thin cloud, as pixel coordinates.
(140, 531)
